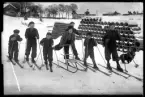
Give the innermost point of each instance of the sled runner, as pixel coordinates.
(70, 63)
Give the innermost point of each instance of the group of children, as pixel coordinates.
(67, 39)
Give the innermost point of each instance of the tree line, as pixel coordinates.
(134, 12)
(51, 10)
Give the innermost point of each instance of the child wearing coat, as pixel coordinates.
(89, 43)
(47, 44)
(13, 45)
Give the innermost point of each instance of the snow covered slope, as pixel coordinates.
(61, 81)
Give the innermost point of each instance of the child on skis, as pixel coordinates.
(13, 45)
(109, 41)
(47, 44)
(68, 38)
(89, 43)
(31, 34)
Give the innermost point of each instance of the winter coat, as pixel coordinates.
(15, 42)
(31, 34)
(89, 44)
(47, 43)
(109, 39)
(68, 36)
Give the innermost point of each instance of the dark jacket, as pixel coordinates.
(31, 34)
(90, 43)
(15, 42)
(47, 43)
(109, 39)
(67, 37)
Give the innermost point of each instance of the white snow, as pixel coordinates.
(61, 81)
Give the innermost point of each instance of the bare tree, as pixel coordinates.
(67, 10)
(48, 11)
(40, 9)
(134, 12)
(62, 9)
(54, 10)
(74, 7)
(59, 12)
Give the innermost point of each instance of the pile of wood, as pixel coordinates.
(98, 29)
(59, 29)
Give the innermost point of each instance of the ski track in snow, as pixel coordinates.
(16, 78)
(61, 81)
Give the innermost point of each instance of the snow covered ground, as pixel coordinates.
(61, 81)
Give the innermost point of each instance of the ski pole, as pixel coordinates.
(19, 48)
(40, 52)
(124, 64)
(56, 58)
(136, 65)
(38, 56)
(25, 50)
(66, 61)
(10, 53)
(82, 47)
(73, 57)
(101, 55)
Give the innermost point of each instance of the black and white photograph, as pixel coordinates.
(72, 48)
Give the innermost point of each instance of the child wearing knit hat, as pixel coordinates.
(13, 45)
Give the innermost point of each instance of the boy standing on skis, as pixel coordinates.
(109, 41)
(31, 34)
(47, 44)
(89, 43)
(13, 45)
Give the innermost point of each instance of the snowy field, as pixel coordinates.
(61, 81)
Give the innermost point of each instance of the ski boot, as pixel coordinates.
(10, 58)
(16, 60)
(77, 58)
(119, 68)
(50, 64)
(108, 66)
(96, 67)
(33, 61)
(85, 64)
(27, 58)
(51, 69)
(46, 65)
(67, 63)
